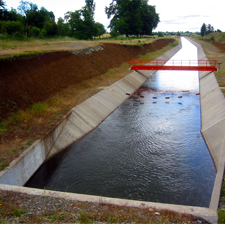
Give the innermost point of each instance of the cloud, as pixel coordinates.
(192, 16)
(177, 21)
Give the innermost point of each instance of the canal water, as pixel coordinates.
(149, 149)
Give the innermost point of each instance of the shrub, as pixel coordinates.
(12, 27)
(212, 38)
(34, 32)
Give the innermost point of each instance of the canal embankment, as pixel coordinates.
(88, 121)
(79, 121)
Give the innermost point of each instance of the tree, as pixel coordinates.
(209, 29)
(2, 4)
(82, 22)
(203, 30)
(51, 28)
(63, 28)
(126, 16)
(149, 17)
(100, 29)
(132, 17)
(12, 27)
(90, 5)
(11, 15)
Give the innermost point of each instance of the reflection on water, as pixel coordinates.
(149, 149)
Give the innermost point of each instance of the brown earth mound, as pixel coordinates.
(28, 80)
(219, 45)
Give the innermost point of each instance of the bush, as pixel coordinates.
(212, 38)
(12, 27)
(34, 32)
(43, 33)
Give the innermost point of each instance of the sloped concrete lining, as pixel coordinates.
(79, 121)
(22, 168)
(93, 111)
(213, 123)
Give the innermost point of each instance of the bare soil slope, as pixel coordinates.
(25, 81)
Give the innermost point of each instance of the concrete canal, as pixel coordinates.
(149, 149)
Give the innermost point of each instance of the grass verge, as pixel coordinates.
(23, 208)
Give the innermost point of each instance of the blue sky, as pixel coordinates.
(175, 15)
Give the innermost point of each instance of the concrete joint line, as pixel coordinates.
(121, 87)
(209, 93)
(83, 118)
(138, 71)
(103, 103)
(205, 75)
(130, 80)
(67, 118)
(116, 92)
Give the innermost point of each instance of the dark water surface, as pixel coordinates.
(149, 149)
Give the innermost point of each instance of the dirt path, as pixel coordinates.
(39, 46)
(215, 51)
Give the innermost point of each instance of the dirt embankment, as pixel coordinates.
(28, 80)
(219, 45)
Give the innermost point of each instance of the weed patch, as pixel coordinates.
(221, 216)
(39, 108)
(3, 127)
(110, 73)
(3, 165)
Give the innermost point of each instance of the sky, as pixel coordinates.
(175, 15)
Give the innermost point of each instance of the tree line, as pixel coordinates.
(207, 29)
(31, 21)
(129, 17)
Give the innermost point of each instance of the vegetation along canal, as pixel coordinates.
(149, 149)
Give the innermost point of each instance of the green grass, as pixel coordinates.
(3, 165)
(221, 216)
(3, 127)
(39, 108)
(110, 73)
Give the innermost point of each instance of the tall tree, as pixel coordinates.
(203, 30)
(63, 28)
(209, 29)
(132, 17)
(82, 22)
(90, 4)
(2, 4)
(149, 17)
(126, 16)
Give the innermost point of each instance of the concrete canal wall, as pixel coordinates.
(81, 120)
(88, 115)
(213, 123)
